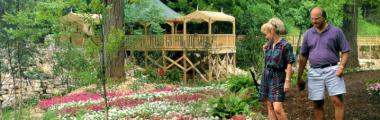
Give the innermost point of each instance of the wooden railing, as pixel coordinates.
(182, 42)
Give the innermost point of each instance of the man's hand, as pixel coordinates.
(301, 84)
(339, 71)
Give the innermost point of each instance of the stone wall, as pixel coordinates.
(29, 89)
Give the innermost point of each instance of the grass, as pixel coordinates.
(20, 112)
(366, 28)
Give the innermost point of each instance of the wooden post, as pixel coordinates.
(145, 29)
(184, 32)
(185, 66)
(233, 28)
(209, 66)
(172, 26)
(163, 59)
(209, 27)
(146, 59)
(234, 62)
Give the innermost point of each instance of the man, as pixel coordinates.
(321, 46)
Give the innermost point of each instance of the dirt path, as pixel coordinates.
(359, 105)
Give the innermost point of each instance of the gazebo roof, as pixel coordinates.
(167, 12)
(80, 20)
(208, 16)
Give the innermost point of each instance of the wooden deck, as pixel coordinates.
(216, 43)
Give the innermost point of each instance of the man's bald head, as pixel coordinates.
(318, 11)
(318, 17)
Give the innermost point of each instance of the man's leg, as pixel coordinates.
(336, 88)
(338, 106)
(318, 109)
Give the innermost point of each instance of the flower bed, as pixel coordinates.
(159, 103)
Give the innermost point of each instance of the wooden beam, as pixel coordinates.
(163, 59)
(184, 65)
(146, 59)
(193, 66)
(175, 63)
(210, 66)
(233, 28)
(155, 62)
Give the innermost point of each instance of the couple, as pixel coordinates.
(321, 46)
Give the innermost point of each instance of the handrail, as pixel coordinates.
(177, 42)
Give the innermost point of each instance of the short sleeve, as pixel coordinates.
(343, 43)
(304, 49)
(290, 58)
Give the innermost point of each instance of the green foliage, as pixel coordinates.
(73, 63)
(173, 75)
(84, 78)
(142, 13)
(227, 106)
(366, 28)
(235, 83)
(35, 73)
(249, 53)
(242, 97)
(115, 41)
(49, 115)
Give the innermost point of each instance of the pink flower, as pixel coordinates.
(83, 96)
(165, 89)
(184, 98)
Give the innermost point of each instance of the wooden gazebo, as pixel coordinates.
(79, 23)
(215, 52)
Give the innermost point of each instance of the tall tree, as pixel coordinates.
(115, 20)
(350, 28)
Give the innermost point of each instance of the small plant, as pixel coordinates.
(50, 115)
(373, 87)
(173, 75)
(227, 106)
(235, 83)
(159, 86)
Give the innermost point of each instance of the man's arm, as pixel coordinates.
(342, 65)
(301, 66)
(302, 59)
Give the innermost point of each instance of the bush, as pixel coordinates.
(235, 83)
(227, 106)
(373, 87)
(173, 75)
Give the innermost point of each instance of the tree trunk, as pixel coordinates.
(115, 20)
(350, 29)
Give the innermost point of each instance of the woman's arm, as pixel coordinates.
(288, 77)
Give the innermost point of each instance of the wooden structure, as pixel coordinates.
(206, 56)
(79, 26)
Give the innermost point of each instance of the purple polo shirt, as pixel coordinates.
(323, 48)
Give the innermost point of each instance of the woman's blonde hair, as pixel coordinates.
(274, 24)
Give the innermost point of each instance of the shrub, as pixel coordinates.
(373, 87)
(173, 75)
(235, 83)
(227, 106)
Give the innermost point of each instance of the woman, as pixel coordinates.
(278, 69)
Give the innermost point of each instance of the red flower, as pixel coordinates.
(161, 72)
(238, 117)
